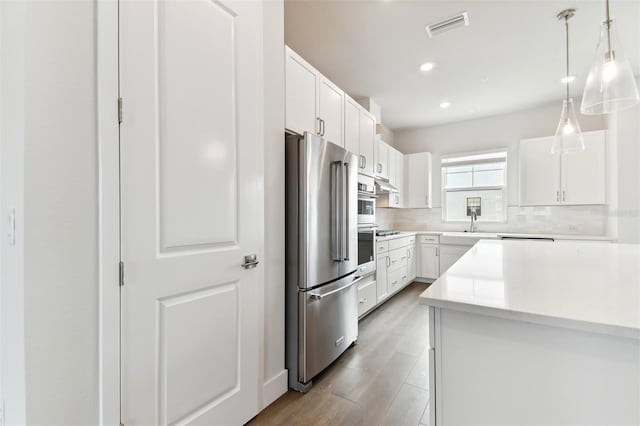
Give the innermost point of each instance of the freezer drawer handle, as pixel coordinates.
(319, 296)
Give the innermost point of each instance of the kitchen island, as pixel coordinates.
(536, 332)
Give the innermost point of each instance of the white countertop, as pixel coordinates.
(498, 235)
(402, 234)
(588, 286)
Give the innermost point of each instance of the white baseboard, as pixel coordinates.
(274, 388)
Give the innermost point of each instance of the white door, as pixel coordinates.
(192, 208)
(351, 126)
(330, 111)
(301, 89)
(539, 173)
(584, 173)
(411, 262)
(399, 196)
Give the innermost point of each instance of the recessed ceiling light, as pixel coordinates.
(567, 79)
(427, 66)
(445, 105)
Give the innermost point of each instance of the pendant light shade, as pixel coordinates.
(568, 134)
(611, 85)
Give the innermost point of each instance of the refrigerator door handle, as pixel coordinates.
(318, 296)
(345, 212)
(336, 208)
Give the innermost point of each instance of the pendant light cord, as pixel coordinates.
(608, 32)
(566, 27)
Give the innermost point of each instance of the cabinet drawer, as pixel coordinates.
(396, 279)
(397, 258)
(400, 242)
(366, 297)
(382, 247)
(433, 239)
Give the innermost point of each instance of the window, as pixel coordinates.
(474, 182)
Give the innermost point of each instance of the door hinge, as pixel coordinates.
(121, 273)
(119, 110)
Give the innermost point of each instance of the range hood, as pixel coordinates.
(383, 185)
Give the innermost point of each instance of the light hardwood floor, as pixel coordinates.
(381, 381)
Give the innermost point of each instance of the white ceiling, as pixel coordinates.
(509, 58)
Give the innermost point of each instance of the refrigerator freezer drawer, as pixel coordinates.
(330, 327)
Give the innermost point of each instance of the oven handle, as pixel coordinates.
(362, 194)
(319, 296)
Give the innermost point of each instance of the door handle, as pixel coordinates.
(250, 261)
(364, 162)
(322, 126)
(437, 254)
(388, 261)
(563, 195)
(558, 196)
(408, 254)
(319, 123)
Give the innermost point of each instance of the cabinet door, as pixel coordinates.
(429, 261)
(411, 265)
(351, 125)
(391, 159)
(417, 183)
(539, 173)
(398, 200)
(330, 111)
(301, 94)
(381, 277)
(450, 255)
(382, 161)
(584, 173)
(367, 143)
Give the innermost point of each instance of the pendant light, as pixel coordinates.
(611, 85)
(568, 135)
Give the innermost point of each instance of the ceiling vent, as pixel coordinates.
(460, 20)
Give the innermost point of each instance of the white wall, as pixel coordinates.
(503, 131)
(275, 375)
(51, 122)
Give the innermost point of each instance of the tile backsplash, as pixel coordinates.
(566, 220)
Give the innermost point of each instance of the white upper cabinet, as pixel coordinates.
(301, 94)
(396, 177)
(351, 125)
(360, 135)
(417, 182)
(575, 178)
(539, 173)
(330, 111)
(382, 159)
(312, 102)
(583, 174)
(367, 142)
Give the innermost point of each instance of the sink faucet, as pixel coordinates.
(474, 218)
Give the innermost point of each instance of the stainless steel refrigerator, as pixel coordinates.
(321, 255)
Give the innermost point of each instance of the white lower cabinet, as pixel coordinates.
(366, 295)
(412, 262)
(382, 263)
(396, 266)
(429, 261)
